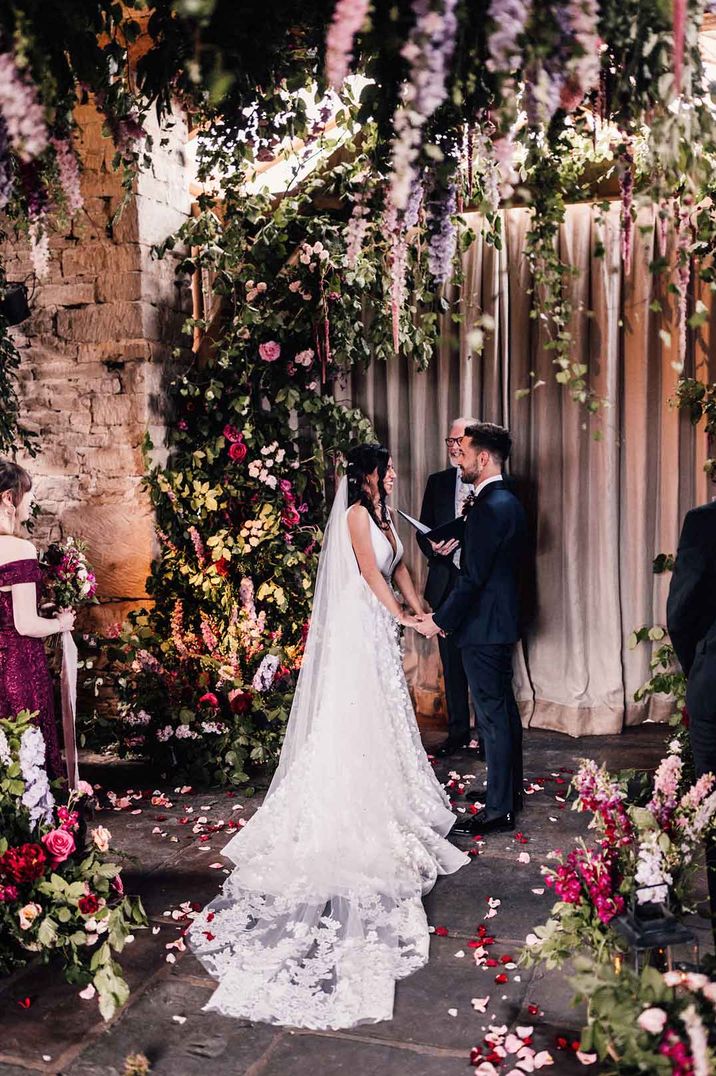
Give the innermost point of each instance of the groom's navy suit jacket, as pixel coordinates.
(483, 606)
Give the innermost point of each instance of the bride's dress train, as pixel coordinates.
(323, 912)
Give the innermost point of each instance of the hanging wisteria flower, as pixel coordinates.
(582, 76)
(21, 110)
(356, 229)
(348, 17)
(509, 19)
(442, 234)
(6, 177)
(69, 172)
(37, 796)
(428, 50)
(39, 250)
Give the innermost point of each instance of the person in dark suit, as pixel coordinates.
(483, 613)
(445, 495)
(691, 620)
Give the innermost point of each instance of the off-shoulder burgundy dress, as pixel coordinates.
(25, 682)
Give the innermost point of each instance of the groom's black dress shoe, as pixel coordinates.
(480, 823)
(451, 747)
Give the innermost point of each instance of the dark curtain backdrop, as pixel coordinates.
(600, 509)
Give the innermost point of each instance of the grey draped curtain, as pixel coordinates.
(600, 508)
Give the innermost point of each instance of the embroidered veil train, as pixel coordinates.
(323, 912)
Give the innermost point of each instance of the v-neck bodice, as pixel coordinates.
(386, 557)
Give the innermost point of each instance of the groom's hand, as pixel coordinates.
(428, 627)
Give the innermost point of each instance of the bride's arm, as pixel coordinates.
(404, 582)
(359, 527)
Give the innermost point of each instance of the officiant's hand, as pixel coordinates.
(445, 549)
(428, 627)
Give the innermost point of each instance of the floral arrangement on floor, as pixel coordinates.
(645, 854)
(61, 894)
(655, 1022)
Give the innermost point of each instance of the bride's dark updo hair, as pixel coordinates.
(15, 478)
(362, 461)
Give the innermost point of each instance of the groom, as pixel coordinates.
(483, 613)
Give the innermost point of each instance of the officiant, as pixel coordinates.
(444, 499)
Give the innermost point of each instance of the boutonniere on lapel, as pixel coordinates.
(468, 503)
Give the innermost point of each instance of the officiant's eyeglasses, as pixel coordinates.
(450, 441)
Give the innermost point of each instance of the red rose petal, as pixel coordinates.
(533, 1010)
(442, 932)
(24, 1003)
(502, 978)
(506, 959)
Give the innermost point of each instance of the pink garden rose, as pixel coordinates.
(59, 845)
(270, 351)
(652, 1020)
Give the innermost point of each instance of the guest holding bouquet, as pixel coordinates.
(25, 682)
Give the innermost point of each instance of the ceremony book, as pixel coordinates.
(455, 528)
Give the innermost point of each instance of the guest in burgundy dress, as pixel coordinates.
(25, 682)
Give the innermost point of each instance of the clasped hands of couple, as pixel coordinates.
(423, 623)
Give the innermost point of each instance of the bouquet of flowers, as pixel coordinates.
(60, 892)
(69, 580)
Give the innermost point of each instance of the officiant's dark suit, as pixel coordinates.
(482, 613)
(691, 620)
(439, 507)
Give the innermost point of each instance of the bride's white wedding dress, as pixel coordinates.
(323, 912)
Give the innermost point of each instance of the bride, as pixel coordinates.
(323, 911)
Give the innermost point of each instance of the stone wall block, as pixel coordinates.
(119, 285)
(67, 294)
(106, 321)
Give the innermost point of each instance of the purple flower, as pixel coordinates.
(442, 233)
(22, 112)
(348, 17)
(69, 172)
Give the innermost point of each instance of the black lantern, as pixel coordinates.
(14, 305)
(656, 936)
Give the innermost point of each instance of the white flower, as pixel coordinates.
(280, 455)
(37, 796)
(254, 468)
(101, 838)
(183, 732)
(265, 673)
(5, 756)
(271, 481)
(28, 915)
(165, 734)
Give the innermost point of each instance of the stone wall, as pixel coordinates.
(95, 354)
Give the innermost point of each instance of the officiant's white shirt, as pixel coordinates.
(462, 491)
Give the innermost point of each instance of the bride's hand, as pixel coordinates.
(408, 620)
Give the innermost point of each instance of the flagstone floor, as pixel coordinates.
(46, 1027)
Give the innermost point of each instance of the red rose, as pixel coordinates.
(59, 845)
(89, 904)
(24, 864)
(290, 516)
(231, 433)
(237, 451)
(9, 893)
(222, 566)
(241, 702)
(210, 699)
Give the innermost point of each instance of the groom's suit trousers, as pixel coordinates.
(489, 673)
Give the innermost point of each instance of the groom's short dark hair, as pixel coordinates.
(488, 437)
